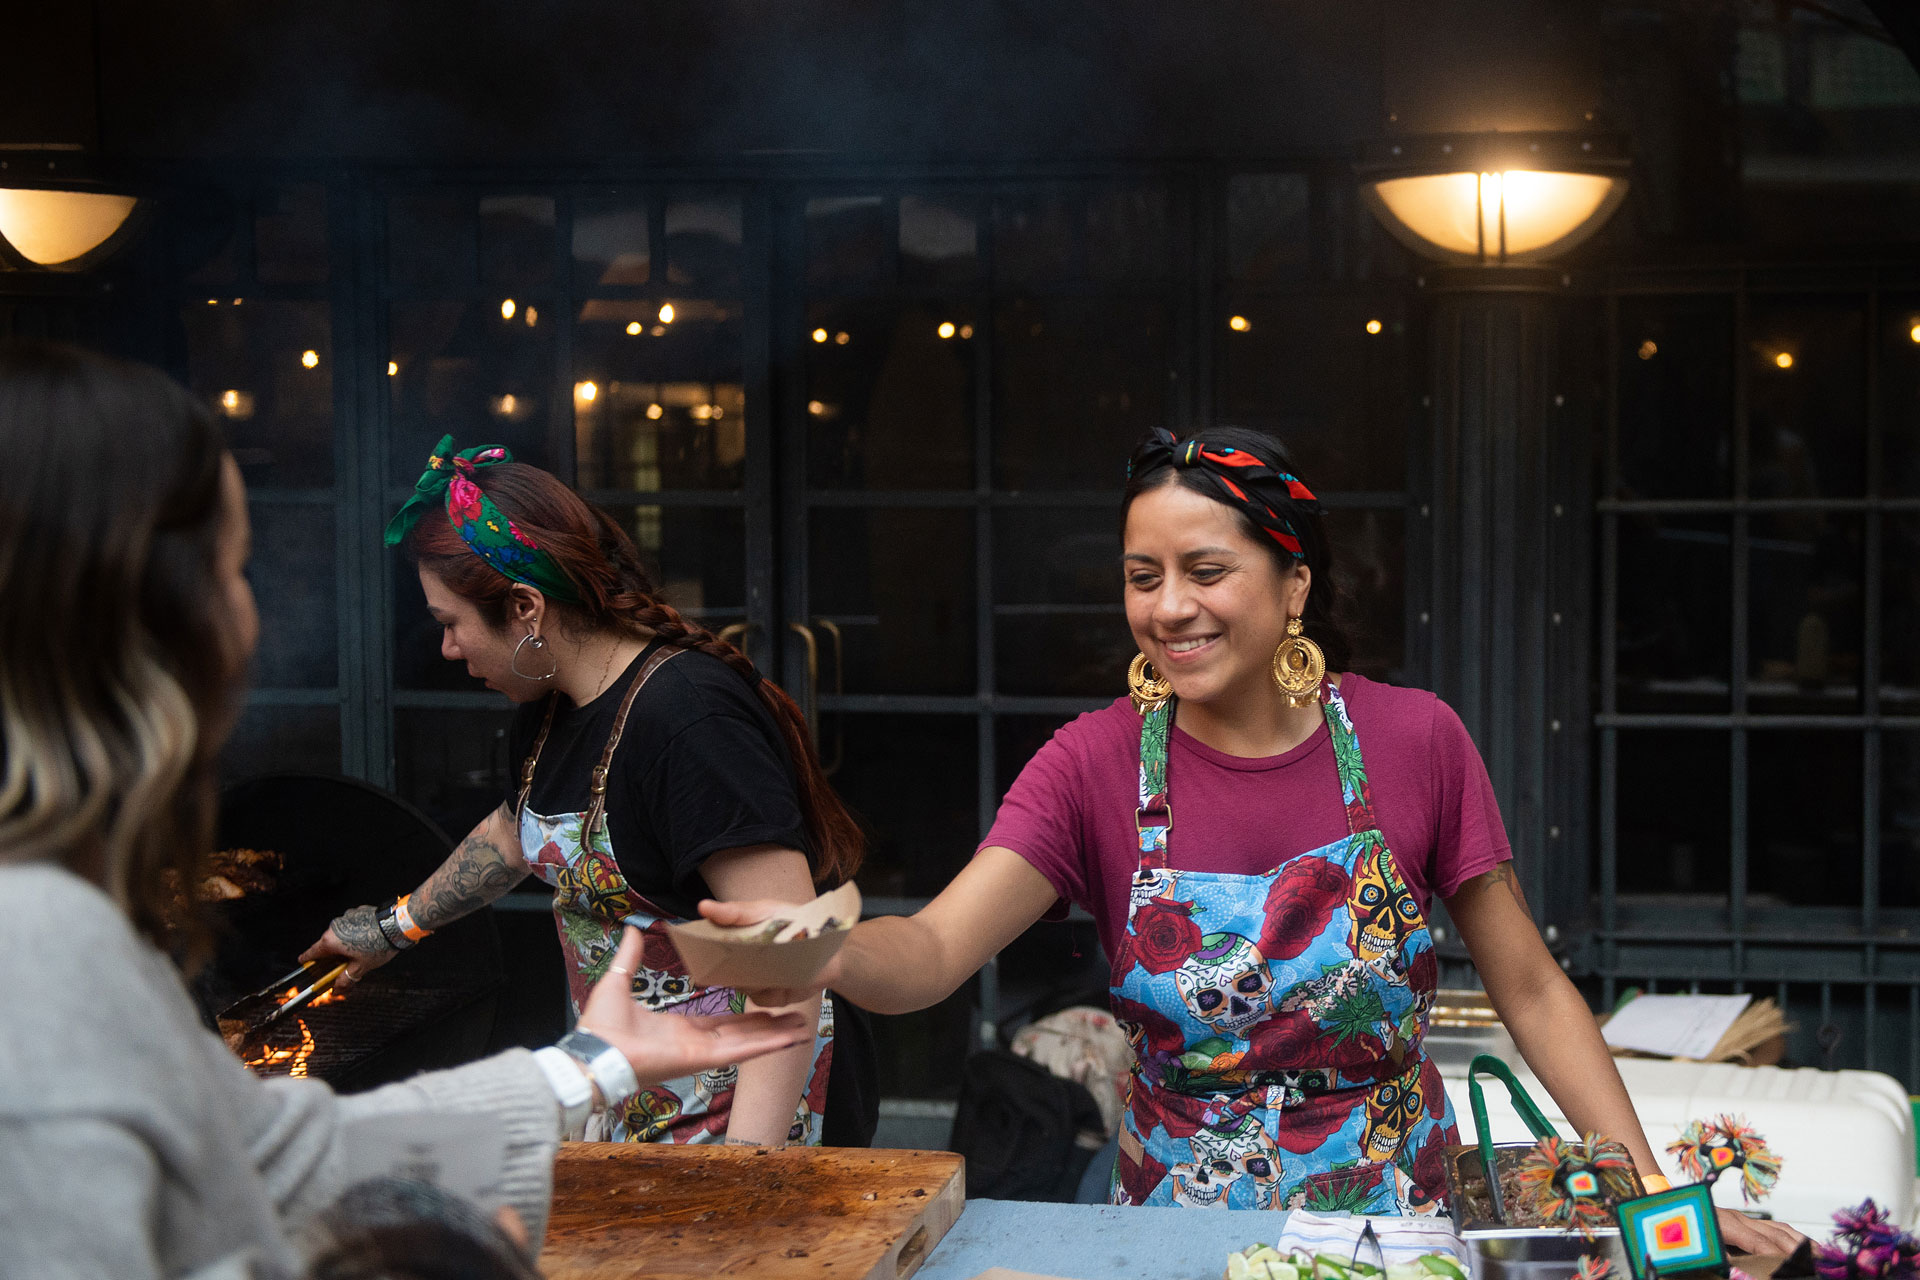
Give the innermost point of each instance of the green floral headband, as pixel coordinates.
(448, 481)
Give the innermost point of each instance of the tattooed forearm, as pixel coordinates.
(359, 932)
(477, 872)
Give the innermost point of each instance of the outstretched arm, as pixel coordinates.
(480, 869)
(1556, 1033)
(897, 964)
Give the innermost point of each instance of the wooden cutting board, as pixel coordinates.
(647, 1209)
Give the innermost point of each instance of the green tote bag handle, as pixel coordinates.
(1521, 1102)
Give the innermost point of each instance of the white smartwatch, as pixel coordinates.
(611, 1072)
(570, 1085)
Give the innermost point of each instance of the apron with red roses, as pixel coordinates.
(592, 905)
(1277, 1020)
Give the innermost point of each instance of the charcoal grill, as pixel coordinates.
(345, 843)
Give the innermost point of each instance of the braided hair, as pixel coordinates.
(1274, 508)
(615, 594)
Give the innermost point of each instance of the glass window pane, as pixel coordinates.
(1127, 235)
(453, 764)
(611, 241)
(1675, 369)
(1267, 225)
(914, 782)
(432, 241)
(1078, 383)
(465, 368)
(292, 572)
(1675, 798)
(890, 395)
(1328, 377)
(1900, 819)
(282, 740)
(696, 556)
(1807, 611)
(267, 370)
(703, 243)
(1037, 236)
(1809, 399)
(1803, 807)
(659, 404)
(1060, 651)
(1370, 564)
(939, 242)
(516, 240)
(1900, 396)
(899, 583)
(1900, 610)
(1063, 555)
(205, 243)
(847, 242)
(1676, 613)
(290, 235)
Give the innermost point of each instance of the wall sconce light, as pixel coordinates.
(1493, 199)
(53, 219)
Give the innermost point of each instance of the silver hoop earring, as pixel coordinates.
(539, 646)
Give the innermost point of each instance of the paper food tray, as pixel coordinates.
(719, 956)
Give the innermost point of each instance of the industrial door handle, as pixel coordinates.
(810, 704)
(832, 628)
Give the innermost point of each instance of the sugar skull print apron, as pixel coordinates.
(1277, 1020)
(592, 905)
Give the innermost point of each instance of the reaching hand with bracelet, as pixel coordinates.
(620, 1048)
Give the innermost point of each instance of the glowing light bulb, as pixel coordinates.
(1648, 349)
(1239, 324)
(310, 358)
(635, 328)
(585, 391)
(1374, 326)
(666, 313)
(655, 412)
(533, 316)
(1914, 333)
(966, 331)
(816, 408)
(841, 339)
(506, 405)
(393, 367)
(1784, 359)
(507, 308)
(946, 329)
(820, 335)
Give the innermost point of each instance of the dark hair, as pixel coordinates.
(392, 1229)
(115, 673)
(615, 593)
(1324, 618)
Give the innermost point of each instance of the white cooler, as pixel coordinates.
(1841, 1135)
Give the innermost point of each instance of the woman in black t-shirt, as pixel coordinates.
(655, 767)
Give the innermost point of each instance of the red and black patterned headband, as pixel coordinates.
(1238, 479)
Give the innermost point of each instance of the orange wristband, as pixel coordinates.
(1655, 1182)
(404, 918)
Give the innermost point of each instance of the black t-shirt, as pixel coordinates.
(701, 767)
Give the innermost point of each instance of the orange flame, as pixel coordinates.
(295, 1058)
(329, 996)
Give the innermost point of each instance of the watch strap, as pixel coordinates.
(612, 1073)
(570, 1086)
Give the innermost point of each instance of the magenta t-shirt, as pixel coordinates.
(1071, 811)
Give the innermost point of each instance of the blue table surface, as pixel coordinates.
(1096, 1242)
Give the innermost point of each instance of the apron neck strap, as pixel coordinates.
(597, 807)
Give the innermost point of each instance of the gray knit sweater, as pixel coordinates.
(133, 1144)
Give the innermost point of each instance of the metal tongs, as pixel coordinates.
(237, 1011)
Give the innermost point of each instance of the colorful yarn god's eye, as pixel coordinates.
(1706, 1149)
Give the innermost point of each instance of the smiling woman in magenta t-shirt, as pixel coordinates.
(1258, 836)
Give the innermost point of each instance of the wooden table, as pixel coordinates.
(652, 1210)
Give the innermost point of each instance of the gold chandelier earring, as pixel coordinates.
(1149, 692)
(1298, 667)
